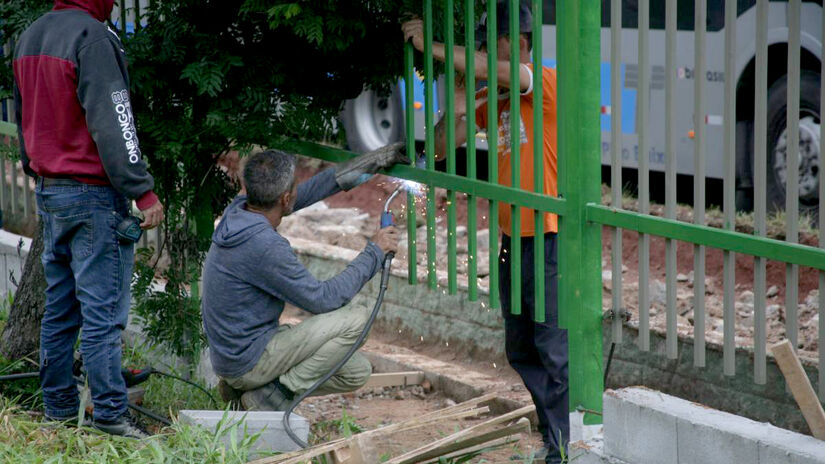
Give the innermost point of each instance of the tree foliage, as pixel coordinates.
(210, 76)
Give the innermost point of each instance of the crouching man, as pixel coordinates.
(251, 271)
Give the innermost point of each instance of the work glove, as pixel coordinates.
(356, 171)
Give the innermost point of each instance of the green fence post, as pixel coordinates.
(580, 286)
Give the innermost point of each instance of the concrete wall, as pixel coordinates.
(443, 318)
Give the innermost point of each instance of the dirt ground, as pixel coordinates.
(371, 408)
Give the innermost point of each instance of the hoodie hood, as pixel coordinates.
(99, 9)
(238, 225)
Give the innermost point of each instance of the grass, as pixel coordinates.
(24, 439)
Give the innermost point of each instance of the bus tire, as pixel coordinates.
(809, 143)
(372, 120)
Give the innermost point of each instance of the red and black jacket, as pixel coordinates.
(72, 101)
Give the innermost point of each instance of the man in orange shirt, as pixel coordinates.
(537, 351)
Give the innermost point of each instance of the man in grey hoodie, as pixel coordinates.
(251, 271)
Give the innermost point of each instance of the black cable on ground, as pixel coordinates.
(172, 376)
(609, 360)
(150, 414)
(385, 277)
(24, 375)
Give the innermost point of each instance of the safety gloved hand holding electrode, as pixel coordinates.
(356, 171)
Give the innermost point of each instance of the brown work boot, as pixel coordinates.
(230, 395)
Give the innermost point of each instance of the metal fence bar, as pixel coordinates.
(713, 237)
(429, 141)
(4, 198)
(137, 15)
(700, 21)
(616, 159)
(26, 192)
(492, 147)
(729, 192)
(470, 121)
(580, 294)
(821, 334)
(449, 72)
(412, 256)
(670, 176)
(14, 207)
(760, 143)
(538, 166)
(644, 172)
(792, 163)
(123, 17)
(515, 159)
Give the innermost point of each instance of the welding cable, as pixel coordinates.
(25, 375)
(150, 414)
(385, 277)
(609, 361)
(171, 376)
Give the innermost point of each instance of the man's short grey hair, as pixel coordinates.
(267, 175)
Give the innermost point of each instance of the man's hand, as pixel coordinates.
(152, 216)
(387, 239)
(414, 30)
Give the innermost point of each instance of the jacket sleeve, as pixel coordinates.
(18, 119)
(286, 278)
(103, 91)
(316, 188)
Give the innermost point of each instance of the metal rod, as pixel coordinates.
(515, 158)
(616, 158)
(27, 199)
(492, 148)
(409, 113)
(700, 21)
(821, 334)
(14, 205)
(449, 73)
(580, 286)
(671, 340)
(644, 172)
(729, 192)
(777, 250)
(538, 164)
(760, 143)
(429, 141)
(792, 163)
(469, 89)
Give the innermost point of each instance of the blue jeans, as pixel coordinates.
(88, 273)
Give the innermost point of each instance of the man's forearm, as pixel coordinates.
(480, 65)
(441, 135)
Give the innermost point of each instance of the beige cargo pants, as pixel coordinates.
(300, 355)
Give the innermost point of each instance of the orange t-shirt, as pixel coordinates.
(548, 80)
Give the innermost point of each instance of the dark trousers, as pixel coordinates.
(538, 351)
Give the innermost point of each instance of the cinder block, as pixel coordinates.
(638, 435)
(269, 424)
(636, 431)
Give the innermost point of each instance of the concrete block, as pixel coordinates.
(636, 434)
(269, 424)
(590, 452)
(701, 434)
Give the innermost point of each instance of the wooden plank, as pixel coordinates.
(491, 444)
(518, 413)
(395, 379)
(801, 388)
(457, 442)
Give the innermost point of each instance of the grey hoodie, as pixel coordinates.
(251, 270)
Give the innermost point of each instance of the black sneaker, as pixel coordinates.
(271, 397)
(124, 426)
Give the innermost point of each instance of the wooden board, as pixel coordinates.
(801, 387)
(395, 379)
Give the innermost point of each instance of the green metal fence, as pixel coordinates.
(578, 205)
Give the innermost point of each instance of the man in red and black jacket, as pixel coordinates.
(78, 138)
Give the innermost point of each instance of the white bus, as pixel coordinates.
(372, 120)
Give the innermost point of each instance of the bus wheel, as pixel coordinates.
(809, 121)
(372, 120)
